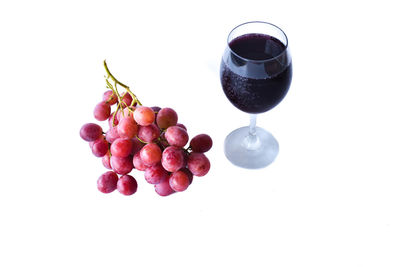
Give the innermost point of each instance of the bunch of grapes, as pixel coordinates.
(147, 139)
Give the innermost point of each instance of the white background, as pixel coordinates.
(331, 198)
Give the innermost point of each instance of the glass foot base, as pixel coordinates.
(251, 151)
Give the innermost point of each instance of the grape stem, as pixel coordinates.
(134, 98)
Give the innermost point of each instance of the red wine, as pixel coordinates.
(256, 72)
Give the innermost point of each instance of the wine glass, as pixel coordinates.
(256, 72)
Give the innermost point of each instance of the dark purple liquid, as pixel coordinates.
(256, 86)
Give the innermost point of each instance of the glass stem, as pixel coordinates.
(252, 127)
(252, 142)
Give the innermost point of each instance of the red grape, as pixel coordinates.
(102, 111)
(127, 185)
(138, 163)
(148, 133)
(127, 127)
(100, 147)
(163, 188)
(176, 136)
(172, 159)
(109, 97)
(188, 173)
(107, 182)
(156, 109)
(126, 99)
(112, 119)
(201, 143)
(144, 116)
(136, 146)
(181, 125)
(90, 132)
(155, 174)
(198, 164)
(112, 135)
(150, 154)
(126, 112)
(121, 147)
(121, 165)
(166, 117)
(106, 161)
(179, 181)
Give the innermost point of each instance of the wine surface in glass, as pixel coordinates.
(257, 74)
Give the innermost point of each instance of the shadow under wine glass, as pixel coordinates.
(255, 73)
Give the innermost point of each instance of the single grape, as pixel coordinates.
(121, 147)
(102, 111)
(126, 99)
(112, 135)
(112, 119)
(136, 146)
(163, 188)
(156, 109)
(176, 136)
(107, 182)
(121, 165)
(127, 185)
(179, 181)
(126, 112)
(109, 97)
(138, 163)
(166, 117)
(144, 116)
(201, 143)
(172, 159)
(148, 133)
(150, 154)
(100, 147)
(155, 174)
(188, 173)
(198, 164)
(127, 127)
(90, 132)
(181, 125)
(106, 160)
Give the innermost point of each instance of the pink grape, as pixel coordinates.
(126, 112)
(179, 181)
(148, 133)
(127, 185)
(163, 188)
(138, 163)
(109, 97)
(107, 182)
(106, 161)
(155, 174)
(181, 125)
(112, 135)
(126, 99)
(100, 147)
(112, 119)
(201, 143)
(198, 164)
(188, 173)
(172, 159)
(144, 116)
(127, 127)
(136, 146)
(150, 154)
(166, 117)
(176, 136)
(90, 132)
(102, 111)
(121, 165)
(121, 147)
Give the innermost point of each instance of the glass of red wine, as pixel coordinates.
(256, 72)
